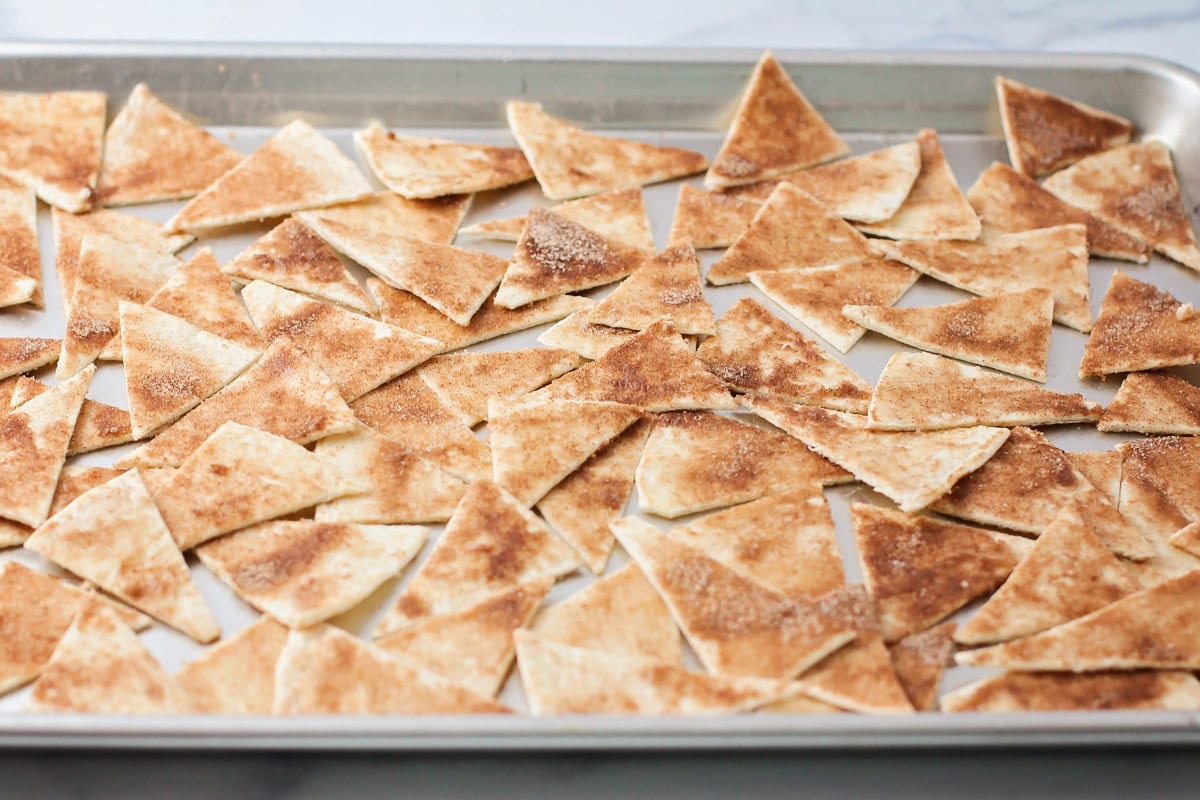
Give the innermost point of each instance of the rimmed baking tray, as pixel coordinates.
(680, 97)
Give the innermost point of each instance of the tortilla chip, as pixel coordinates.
(775, 130)
(1160, 492)
(304, 572)
(99, 425)
(698, 461)
(455, 281)
(919, 660)
(735, 626)
(1008, 201)
(1097, 691)
(357, 352)
(1134, 189)
(324, 670)
(25, 354)
(667, 286)
(21, 269)
(1102, 469)
(472, 647)
(620, 614)
(72, 482)
(236, 676)
(707, 220)
(758, 353)
(619, 216)
(577, 333)
(491, 544)
(297, 168)
(1154, 402)
(800, 704)
(791, 230)
(816, 296)
(783, 541)
(935, 207)
(1009, 331)
(1140, 327)
(920, 570)
(153, 153)
(416, 167)
(1187, 539)
(401, 487)
(15, 288)
(581, 506)
(465, 382)
(114, 536)
(407, 411)
(52, 143)
(294, 257)
(571, 162)
(924, 392)
(913, 468)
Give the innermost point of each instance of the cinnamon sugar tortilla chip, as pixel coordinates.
(1103, 469)
(620, 216)
(72, 482)
(571, 162)
(21, 276)
(465, 382)
(154, 153)
(99, 425)
(1187, 539)
(667, 286)
(367, 229)
(15, 288)
(1095, 691)
(707, 220)
(775, 130)
(25, 354)
(578, 334)
(1140, 327)
(919, 660)
(1159, 489)
(52, 143)
(236, 676)
(1154, 402)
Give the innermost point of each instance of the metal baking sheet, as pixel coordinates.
(677, 97)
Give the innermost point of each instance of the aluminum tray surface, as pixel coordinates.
(680, 98)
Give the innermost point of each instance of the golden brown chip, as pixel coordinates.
(237, 676)
(665, 287)
(1140, 327)
(465, 382)
(707, 219)
(920, 659)
(1160, 492)
(26, 354)
(52, 142)
(1154, 402)
(99, 425)
(620, 216)
(1098, 691)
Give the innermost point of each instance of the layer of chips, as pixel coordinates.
(465, 382)
(98, 425)
(919, 660)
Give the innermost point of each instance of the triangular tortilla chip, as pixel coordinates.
(800, 704)
(15, 288)
(1009, 332)
(464, 382)
(324, 670)
(100, 667)
(33, 445)
(581, 506)
(708, 220)
(1187, 539)
(171, 365)
(154, 153)
(237, 676)
(920, 570)
(816, 296)
(555, 255)
(735, 626)
(357, 352)
(294, 257)
(919, 660)
(620, 216)
(1066, 574)
(9, 385)
(1134, 189)
(25, 354)
(284, 393)
(1140, 327)
(1008, 201)
(758, 353)
(491, 544)
(924, 392)
(1150, 629)
(935, 207)
(304, 572)
(367, 229)
(774, 131)
(407, 411)
(72, 482)
(577, 334)
(472, 647)
(1098, 691)
(1159, 491)
(1046, 132)
(115, 537)
(571, 162)
(407, 311)
(401, 487)
(698, 461)
(913, 468)
(297, 168)
(1051, 258)
(109, 271)
(621, 614)
(1154, 402)
(654, 370)
(52, 143)
(1024, 486)
(792, 230)
(1102, 468)
(99, 425)
(784, 542)
(666, 286)
(22, 265)
(536, 446)
(241, 476)
(417, 167)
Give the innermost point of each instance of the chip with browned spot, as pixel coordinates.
(707, 220)
(22, 354)
(1102, 468)
(920, 659)
(1140, 327)
(99, 425)
(665, 287)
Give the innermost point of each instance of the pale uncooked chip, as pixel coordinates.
(153, 153)
(297, 168)
(919, 660)
(1140, 327)
(1154, 402)
(22, 265)
(707, 220)
(465, 382)
(1057, 691)
(620, 216)
(667, 286)
(26, 354)
(774, 131)
(1009, 331)
(236, 676)
(99, 425)
(571, 162)
(577, 334)
(52, 142)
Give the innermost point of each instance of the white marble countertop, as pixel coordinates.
(1168, 30)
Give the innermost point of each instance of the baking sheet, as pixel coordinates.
(674, 99)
